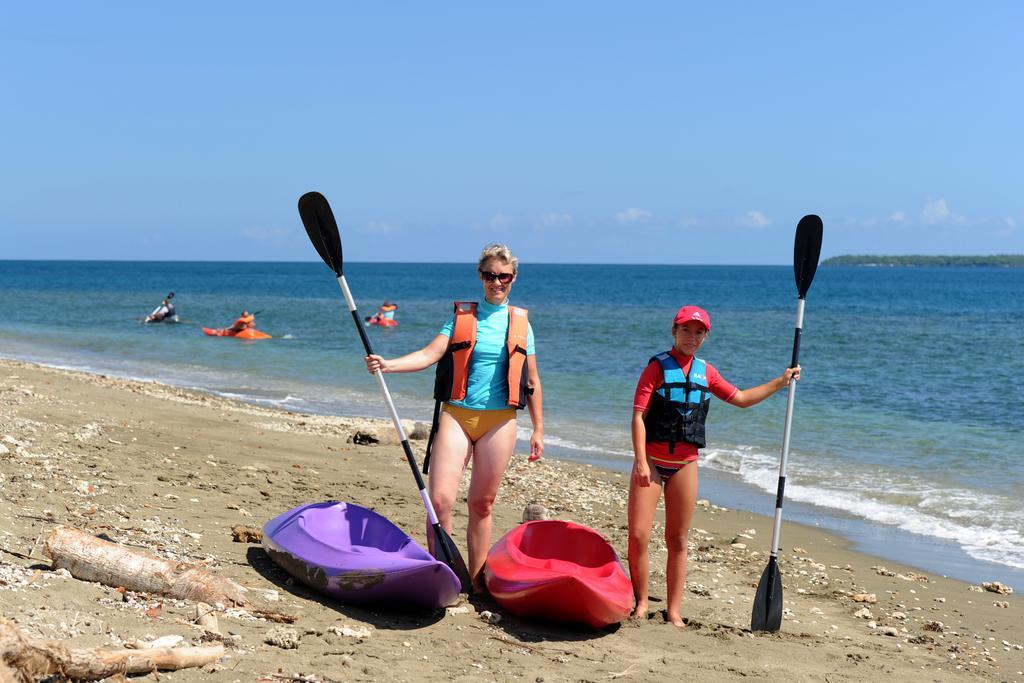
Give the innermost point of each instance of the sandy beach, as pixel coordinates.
(171, 471)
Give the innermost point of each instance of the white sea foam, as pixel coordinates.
(231, 395)
(988, 527)
(524, 430)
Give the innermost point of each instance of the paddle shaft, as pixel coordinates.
(777, 526)
(351, 303)
(766, 614)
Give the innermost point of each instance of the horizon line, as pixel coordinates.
(538, 263)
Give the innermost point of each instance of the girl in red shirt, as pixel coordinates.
(671, 465)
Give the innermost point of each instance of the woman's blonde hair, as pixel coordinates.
(500, 252)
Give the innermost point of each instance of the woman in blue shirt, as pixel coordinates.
(478, 423)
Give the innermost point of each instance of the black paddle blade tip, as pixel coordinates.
(767, 612)
(446, 551)
(318, 219)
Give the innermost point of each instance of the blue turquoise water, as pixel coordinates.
(908, 418)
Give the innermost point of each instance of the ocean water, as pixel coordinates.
(908, 421)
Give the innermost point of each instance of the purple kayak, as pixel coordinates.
(358, 557)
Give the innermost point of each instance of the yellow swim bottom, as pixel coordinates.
(477, 423)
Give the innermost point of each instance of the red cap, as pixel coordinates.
(697, 313)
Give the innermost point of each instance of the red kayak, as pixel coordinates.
(248, 333)
(382, 322)
(559, 571)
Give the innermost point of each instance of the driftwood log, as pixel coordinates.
(24, 659)
(92, 559)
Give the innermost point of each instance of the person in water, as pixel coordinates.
(244, 322)
(385, 312)
(165, 311)
(486, 371)
(669, 410)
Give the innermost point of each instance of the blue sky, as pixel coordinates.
(574, 131)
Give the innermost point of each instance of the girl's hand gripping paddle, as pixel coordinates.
(322, 229)
(767, 612)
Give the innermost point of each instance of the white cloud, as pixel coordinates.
(755, 219)
(633, 215)
(1008, 228)
(553, 219)
(935, 212)
(500, 221)
(899, 217)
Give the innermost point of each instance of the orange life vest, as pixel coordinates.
(453, 368)
(452, 376)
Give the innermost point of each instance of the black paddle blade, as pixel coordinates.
(322, 229)
(806, 251)
(446, 551)
(767, 613)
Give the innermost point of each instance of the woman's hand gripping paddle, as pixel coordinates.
(322, 229)
(767, 613)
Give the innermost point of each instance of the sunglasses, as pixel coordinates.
(503, 278)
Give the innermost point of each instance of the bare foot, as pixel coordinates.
(675, 620)
(640, 612)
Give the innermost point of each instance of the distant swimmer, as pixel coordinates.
(246, 321)
(243, 328)
(385, 315)
(164, 312)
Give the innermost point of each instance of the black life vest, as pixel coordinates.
(679, 408)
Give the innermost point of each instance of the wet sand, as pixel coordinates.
(171, 471)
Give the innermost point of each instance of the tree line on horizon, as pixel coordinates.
(996, 260)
